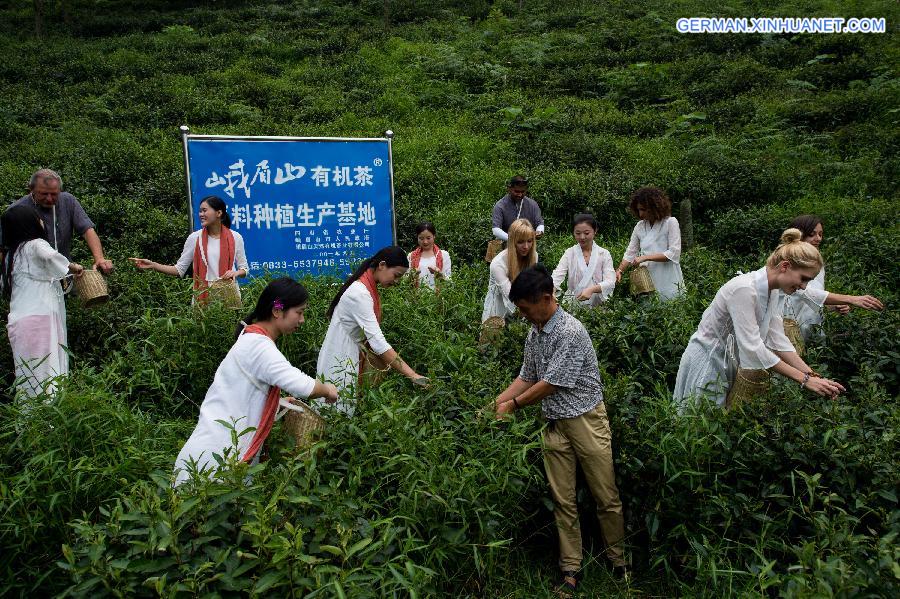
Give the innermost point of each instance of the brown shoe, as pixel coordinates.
(568, 586)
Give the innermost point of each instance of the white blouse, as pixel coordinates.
(742, 326)
(663, 237)
(213, 246)
(805, 306)
(238, 393)
(352, 324)
(598, 271)
(496, 302)
(426, 277)
(36, 326)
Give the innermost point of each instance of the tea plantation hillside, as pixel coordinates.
(790, 495)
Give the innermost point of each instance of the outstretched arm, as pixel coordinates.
(866, 302)
(144, 264)
(100, 262)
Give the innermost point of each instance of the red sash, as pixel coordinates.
(226, 258)
(271, 408)
(369, 281)
(417, 256)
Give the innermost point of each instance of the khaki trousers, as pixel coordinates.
(584, 440)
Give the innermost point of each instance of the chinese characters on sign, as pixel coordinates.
(237, 177)
(290, 216)
(303, 206)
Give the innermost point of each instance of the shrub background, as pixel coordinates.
(793, 496)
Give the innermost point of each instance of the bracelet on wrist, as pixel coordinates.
(805, 380)
(516, 403)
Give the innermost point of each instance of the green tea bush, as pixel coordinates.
(63, 459)
(416, 496)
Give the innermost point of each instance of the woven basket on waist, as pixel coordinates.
(494, 247)
(302, 422)
(91, 288)
(491, 329)
(227, 292)
(372, 373)
(748, 383)
(641, 281)
(792, 332)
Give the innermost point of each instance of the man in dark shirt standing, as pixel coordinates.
(516, 204)
(62, 214)
(559, 370)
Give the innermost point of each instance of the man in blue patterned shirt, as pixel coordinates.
(560, 370)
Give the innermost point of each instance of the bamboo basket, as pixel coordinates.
(302, 422)
(372, 375)
(494, 247)
(491, 330)
(91, 288)
(748, 384)
(227, 292)
(792, 332)
(641, 281)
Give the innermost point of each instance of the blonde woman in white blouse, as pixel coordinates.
(656, 241)
(520, 253)
(743, 327)
(587, 267)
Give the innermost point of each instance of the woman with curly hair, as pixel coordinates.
(656, 241)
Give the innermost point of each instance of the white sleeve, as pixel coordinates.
(501, 278)
(674, 234)
(540, 229)
(561, 271)
(634, 244)
(608, 283)
(268, 365)
(447, 267)
(776, 340)
(240, 255)
(361, 309)
(187, 255)
(55, 264)
(500, 234)
(752, 352)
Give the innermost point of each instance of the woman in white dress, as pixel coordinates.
(213, 252)
(355, 328)
(587, 266)
(655, 241)
(32, 271)
(245, 390)
(743, 327)
(520, 253)
(428, 262)
(806, 305)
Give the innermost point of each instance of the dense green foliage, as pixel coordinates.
(790, 495)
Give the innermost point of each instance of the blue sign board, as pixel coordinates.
(303, 205)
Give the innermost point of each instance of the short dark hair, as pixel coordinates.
(531, 284)
(806, 223)
(517, 181)
(585, 218)
(425, 226)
